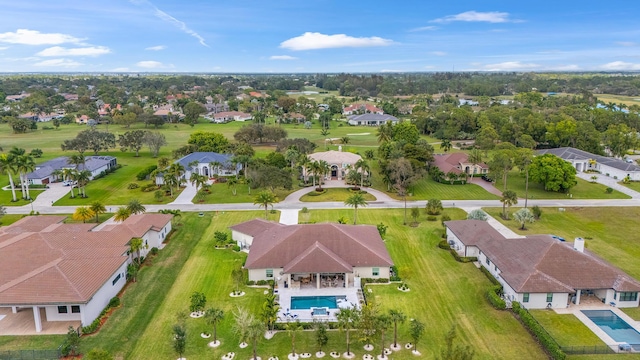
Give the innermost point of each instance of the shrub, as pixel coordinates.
(236, 248)
(494, 298)
(462, 259)
(609, 190)
(132, 186)
(220, 237)
(493, 280)
(537, 212)
(444, 245)
(154, 251)
(538, 332)
(432, 218)
(395, 275)
(148, 187)
(304, 210)
(144, 173)
(251, 282)
(261, 282)
(444, 217)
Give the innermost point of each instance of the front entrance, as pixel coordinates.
(334, 171)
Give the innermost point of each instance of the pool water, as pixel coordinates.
(614, 326)
(308, 302)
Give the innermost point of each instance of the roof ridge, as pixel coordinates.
(15, 239)
(30, 274)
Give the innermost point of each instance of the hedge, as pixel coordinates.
(493, 280)
(144, 173)
(543, 337)
(93, 327)
(462, 259)
(444, 245)
(493, 295)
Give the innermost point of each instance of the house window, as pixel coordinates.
(628, 296)
(115, 280)
(62, 310)
(269, 273)
(75, 309)
(495, 267)
(375, 271)
(487, 261)
(549, 297)
(525, 297)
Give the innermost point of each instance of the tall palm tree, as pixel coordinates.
(215, 165)
(293, 328)
(98, 208)
(121, 214)
(323, 168)
(233, 183)
(265, 198)
(509, 198)
(82, 213)
(355, 201)
(177, 170)
(197, 180)
(363, 166)
(213, 317)
(383, 321)
(396, 317)
(134, 207)
(8, 167)
(314, 168)
(347, 320)
(163, 162)
(25, 164)
(385, 132)
(136, 244)
(76, 160)
(445, 145)
(254, 332)
(475, 157)
(82, 177)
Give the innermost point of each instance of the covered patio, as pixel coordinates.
(23, 323)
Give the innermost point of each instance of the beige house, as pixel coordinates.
(340, 163)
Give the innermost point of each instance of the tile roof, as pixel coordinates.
(336, 157)
(569, 153)
(47, 168)
(363, 107)
(318, 247)
(205, 158)
(450, 162)
(255, 226)
(372, 117)
(43, 261)
(540, 263)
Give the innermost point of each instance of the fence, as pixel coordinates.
(587, 350)
(29, 354)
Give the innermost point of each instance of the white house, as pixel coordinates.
(371, 119)
(356, 109)
(340, 163)
(540, 271)
(44, 173)
(69, 272)
(584, 162)
(227, 116)
(309, 253)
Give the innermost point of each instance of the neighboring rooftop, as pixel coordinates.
(569, 153)
(333, 156)
(205, 158)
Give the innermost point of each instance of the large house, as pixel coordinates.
(45, 173)
(312, 252)
(69, 272)
(228, 116)
(340, 163)
(205, 163)
(540, 271)
(356, 109)
(371, 119)
(584, 162)
(458, 163)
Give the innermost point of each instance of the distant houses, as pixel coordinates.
(45, 173)
(371, 119)
(587, 162)
(358, 109)
(228, 116)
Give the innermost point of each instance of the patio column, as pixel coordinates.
(14, 309)
(317, 280)
(346, 280)
(36, 318)
(289, 283)
(578, 297)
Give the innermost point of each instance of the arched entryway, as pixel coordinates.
(334, 171)
(205, 171)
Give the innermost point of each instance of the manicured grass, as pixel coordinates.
(6, 197)
(633, 312)
(443, 292)
(101, 218)
(566, 329)
(221, 193)
(610, 232)
(583, 190)
(9, 219)
(333, 194)
(634, 185)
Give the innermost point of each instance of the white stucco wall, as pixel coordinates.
(53, 315)
(101, 298)
(539, 300)
(623, 304)
(367, 272)
(243, 240)
(261, 274)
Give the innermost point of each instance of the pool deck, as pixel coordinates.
(576, 310)
(304, 315)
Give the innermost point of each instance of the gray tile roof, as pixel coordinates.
(205, 158)
(47, 168)
(569, 153)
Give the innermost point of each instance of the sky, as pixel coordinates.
(232, 36)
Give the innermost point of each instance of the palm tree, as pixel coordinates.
(396, 317)
(76, 160)
(523, 216)
(452, 176)
(265, 198)
(215, 165)
(270, 310)
(68, 174)
(232, 183)
(383, 322)
(347, 320)
(98, 208)
(363, 166)
(385, 132)
(213, 317)
(7, 167)
(135, 245)
(445, 145)
(163, 163)
(134, 207)
(197, 180)
(121, 214)
(509, 198)
(314, 168)
(524, 158)
(243, 320)
(24, 164)
(177, 170)
(254, 332)
(292, 155)
(82, 213)
(323, 167)
(475, 157)
(82, 177)
(355, 200)
(293, 328)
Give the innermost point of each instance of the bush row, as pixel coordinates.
(538, 332)
(364, 281)
(461, 258)
(444, 245)
(144, 173)
(93, 327)
(493, 280)
(395, 275)
(493, 295)
(107, 172)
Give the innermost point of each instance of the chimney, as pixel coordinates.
(340, 148)
(578, 244)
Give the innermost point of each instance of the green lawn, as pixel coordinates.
(334, 194)
(9, 219)
(566, 329)
(584, 189)
(610, 232)
(221, 193)
(633, 312)
(443, 292)
(634, 185)
(6, 197)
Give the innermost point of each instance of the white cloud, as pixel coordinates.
(33, 37)
(120, 69)
(315, 40)
(627, 43)
(390, 71)
(150, 64)
(620, 65)
(475, 16)
(3, 48)
(156, 48)
(170, 19)
(438, 53)
(423, 28)
(570, 67)
(510, 66)
(85, 51)
(58, 63)
(282, 57)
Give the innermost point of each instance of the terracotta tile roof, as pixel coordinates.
(141, 223)
(342, 246)
(32, 224)
(317, 256)
(336, 157)
(540, 263)
(255, 226)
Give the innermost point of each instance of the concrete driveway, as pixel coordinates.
(54, 193)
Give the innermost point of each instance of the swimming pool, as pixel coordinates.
(614, 326)
(308, 302)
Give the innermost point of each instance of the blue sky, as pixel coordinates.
(318, 36)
